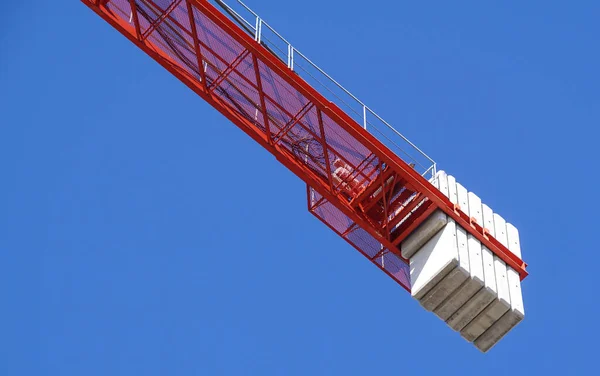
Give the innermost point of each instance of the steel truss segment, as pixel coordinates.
(368, 177)
(349, 230)
(325, 150)
(134, 13)
(261, 95)
(294, 121)
(317, 204)
(194, 30)
(230, 69)
(161, 18)
(379, 254)
(384, 196)
(319, 183)
(405, 209)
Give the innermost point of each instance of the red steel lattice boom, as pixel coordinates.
(356, 185)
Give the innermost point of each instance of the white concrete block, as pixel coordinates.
(498, 307)
(514, 242)
(452, 193)
(488, 257)
(499, 265)
(500, 230)
(434, 261)
(477, 293)
(514, 280)
(488, 270)
(475, 251)
(471, 284)
(517, 312)
(475, 209)
(472, 255)
(444, 289)
(462, 197)
(442, 182)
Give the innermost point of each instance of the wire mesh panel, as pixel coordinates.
(359, 238)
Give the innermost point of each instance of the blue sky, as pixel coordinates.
(128, 248)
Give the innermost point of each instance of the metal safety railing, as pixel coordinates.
(328, 87)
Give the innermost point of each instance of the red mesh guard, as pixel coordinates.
(359, 239)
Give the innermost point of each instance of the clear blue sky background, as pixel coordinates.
(128, 248)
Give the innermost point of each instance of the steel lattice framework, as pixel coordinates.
(355, 183)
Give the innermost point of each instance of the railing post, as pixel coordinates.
(365, 116)
(290, 56)
(258, 32)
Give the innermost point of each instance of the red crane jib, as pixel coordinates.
(355, 184)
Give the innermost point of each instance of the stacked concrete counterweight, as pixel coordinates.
(460, 280)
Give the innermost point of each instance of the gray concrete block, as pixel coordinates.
(444, 288)
(498, 330)
(488, 317)
(423, 233)
(458, 298)
(471, 309)
(446, 301)
(434, 261)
